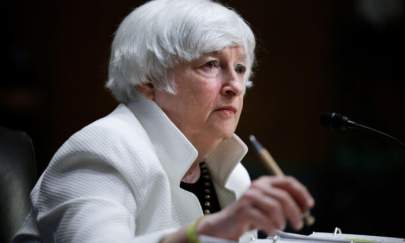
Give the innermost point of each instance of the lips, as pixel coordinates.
(227, 108)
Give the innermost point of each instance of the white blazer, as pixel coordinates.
(118, 180)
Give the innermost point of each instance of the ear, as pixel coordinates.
(147, 89)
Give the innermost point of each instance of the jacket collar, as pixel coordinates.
(175, 151)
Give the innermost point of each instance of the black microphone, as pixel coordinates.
(338, 121)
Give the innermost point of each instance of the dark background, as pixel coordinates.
(313, 56)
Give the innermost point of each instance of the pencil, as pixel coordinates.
(272, 166)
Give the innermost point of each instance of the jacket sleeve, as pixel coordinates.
(89, 196)
(85, 199)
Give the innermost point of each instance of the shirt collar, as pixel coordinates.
(176, 152)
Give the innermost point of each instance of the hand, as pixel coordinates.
(268, 204)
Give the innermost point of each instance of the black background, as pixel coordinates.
(313, 56)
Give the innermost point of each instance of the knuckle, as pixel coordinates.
(274, 206)
(291, 180)
(248, 197)
(295, 184)
(260, 180)
(284, 196)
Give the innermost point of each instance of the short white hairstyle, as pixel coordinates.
(160, 33)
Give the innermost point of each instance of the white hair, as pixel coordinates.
(160, 33)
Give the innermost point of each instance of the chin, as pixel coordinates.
(223, 131)
(227, 133)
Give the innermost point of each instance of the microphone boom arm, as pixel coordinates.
(383, 134)
(339, 121)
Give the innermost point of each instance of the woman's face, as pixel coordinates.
(209, 96)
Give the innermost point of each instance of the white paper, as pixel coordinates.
(317, 237)
(360, 238)
(283, 237)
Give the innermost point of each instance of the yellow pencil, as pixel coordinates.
(272, 166)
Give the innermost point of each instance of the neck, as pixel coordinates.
(193, 174)
(204, 148)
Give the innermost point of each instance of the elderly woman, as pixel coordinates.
(167, 155)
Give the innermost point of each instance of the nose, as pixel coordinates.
(233, 85)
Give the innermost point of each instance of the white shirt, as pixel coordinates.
(118, 180)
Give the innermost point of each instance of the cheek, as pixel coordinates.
(242, 99)
(205, 95)
(172, 105)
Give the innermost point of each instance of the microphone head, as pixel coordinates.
(335, 121)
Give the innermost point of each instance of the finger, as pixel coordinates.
(297, 190)
(268, 207)
(290, 208)
(260, 221)
(289, 184)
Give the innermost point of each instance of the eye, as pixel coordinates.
(212, 64)
(239, 68)
(211, 68)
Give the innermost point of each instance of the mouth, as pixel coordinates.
(227, 109)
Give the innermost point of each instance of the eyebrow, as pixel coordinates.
(242, 57)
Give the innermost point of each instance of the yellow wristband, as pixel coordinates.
(191, 232)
